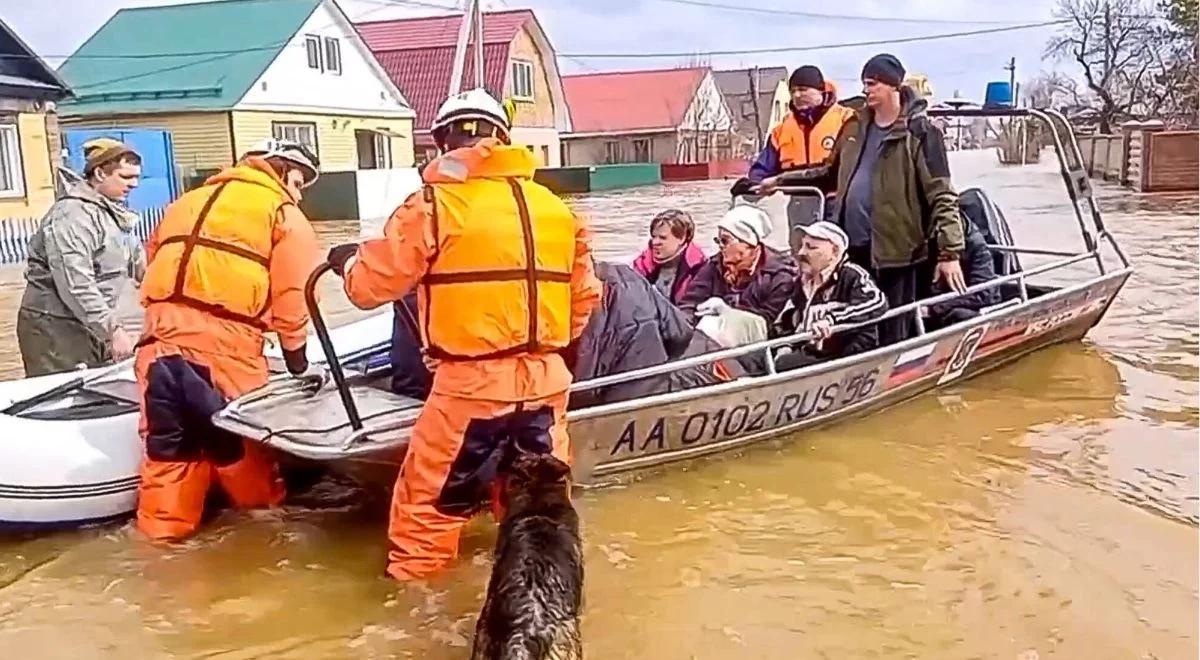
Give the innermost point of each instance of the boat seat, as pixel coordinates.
(321, 419)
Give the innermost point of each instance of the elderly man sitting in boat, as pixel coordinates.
(830, 291)
(740, 291)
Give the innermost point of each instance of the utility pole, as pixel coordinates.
(472, 18)
(1012, 79)
(755, 81)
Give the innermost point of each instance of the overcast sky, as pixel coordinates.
(645, 26)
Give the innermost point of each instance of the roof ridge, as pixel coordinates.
(637, 71)
(452, 15)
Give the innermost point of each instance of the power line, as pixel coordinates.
(838, 17)
(797, 49)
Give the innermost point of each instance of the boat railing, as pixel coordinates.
(1078, 189)
(912, 309)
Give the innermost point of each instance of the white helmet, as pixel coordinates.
(472, 104)
(291, 151)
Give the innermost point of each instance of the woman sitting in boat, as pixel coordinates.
(831, 290)
(746, 285)
(635, 327)
(671, 259)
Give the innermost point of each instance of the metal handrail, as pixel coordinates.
(765, 345)
(331, 357)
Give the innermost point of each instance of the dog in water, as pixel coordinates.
(531, 611)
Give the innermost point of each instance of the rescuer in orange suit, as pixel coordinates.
(227, 264)
(505, 281)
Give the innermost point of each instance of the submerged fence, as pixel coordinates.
(15, 234)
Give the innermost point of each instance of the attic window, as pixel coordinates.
(312, 44)
(333, 56)
(522, 80)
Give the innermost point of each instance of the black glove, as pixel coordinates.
(742, 186)
(297, 360)
(339, 255)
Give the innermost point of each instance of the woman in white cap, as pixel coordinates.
(746, 274)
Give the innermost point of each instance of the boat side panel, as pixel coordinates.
(613, 444)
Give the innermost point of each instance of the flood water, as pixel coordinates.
(1044, 510)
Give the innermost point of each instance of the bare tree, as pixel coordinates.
(1181, 35)
(1113, 42)
(1052, 90)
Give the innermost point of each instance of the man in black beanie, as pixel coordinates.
(896, 202)
(800, 145)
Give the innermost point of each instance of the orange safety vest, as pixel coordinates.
(499, 282)
(214, 249)
(799, 146)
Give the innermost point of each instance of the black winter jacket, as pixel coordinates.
(765, 295)
(849, 296)
(634, 327)
(978, 267)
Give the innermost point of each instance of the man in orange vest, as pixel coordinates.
(505, 281)
(227, 264)
(802, 142)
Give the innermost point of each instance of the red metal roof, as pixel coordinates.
(624, 101)
(440, 31)
(418, 55)
(423, 75)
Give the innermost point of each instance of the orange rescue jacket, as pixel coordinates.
(801, 146)
(504, 271)
(237, 249)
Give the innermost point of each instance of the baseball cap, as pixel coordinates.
(827, 231)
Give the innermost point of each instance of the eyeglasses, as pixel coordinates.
(723, 240)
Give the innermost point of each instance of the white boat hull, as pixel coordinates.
(73, 472)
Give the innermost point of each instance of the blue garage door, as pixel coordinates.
(159, 185)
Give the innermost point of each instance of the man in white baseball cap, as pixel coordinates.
(830, 291)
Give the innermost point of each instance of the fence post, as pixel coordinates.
(1147, 130)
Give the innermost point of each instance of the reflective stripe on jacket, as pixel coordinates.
(505, 252)
(214, 248)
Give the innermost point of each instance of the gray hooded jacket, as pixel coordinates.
(81, 259)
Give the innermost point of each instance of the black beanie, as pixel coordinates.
(884, 68)
(807, 76)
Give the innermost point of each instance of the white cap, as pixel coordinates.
(471, 104)
(826, 231)
(747, 223)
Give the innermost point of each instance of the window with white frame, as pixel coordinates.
(312, 47)
(333, 55)
(12, 180)
(522, 75)
(303, 132)
(374, 149)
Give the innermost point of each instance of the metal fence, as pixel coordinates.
(15, 234)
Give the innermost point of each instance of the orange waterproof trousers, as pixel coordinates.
(172, 492)
(457, 447)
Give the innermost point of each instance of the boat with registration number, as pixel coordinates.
(359, 427)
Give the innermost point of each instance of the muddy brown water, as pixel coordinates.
(1044, 510)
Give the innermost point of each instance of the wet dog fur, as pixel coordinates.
(531, 611)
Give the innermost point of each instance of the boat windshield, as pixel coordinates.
(94, 401)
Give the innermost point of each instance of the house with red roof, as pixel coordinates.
(518, 63)
(652, 116)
